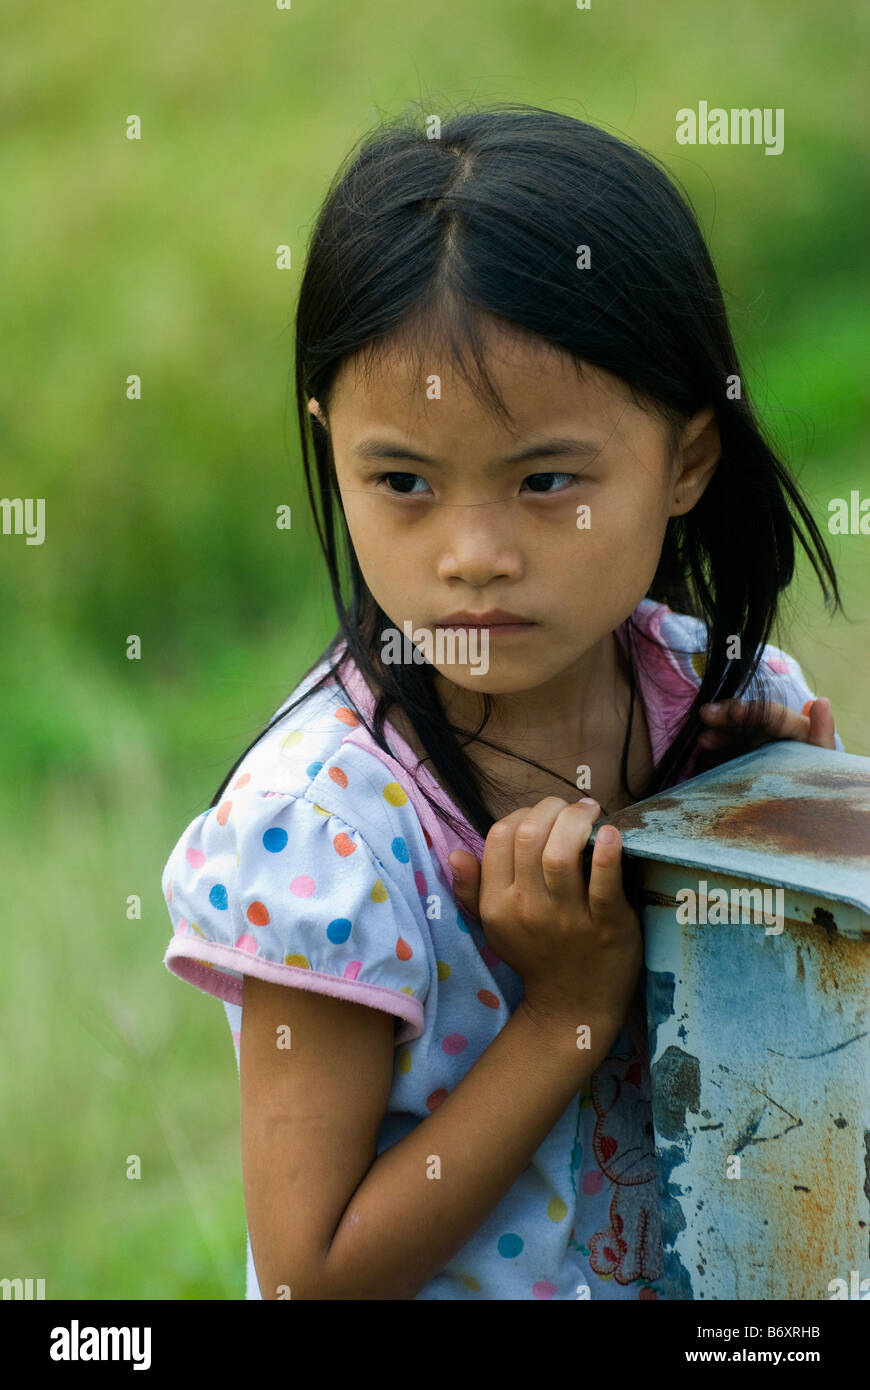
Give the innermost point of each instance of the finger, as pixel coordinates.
(775, 722)
(821, 716)
(749, 714)
(605, 892)
(498, 850)
(562, 854)
(466, 880)
(530, 837)
(714, 739)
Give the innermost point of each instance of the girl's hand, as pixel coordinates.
(577, 949)
(733, 727)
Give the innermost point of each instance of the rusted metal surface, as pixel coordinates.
(759, 1027)
(786, 813)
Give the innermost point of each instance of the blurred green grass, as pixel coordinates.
(158, 257)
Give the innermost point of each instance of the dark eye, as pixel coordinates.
(404, 482)
(540, 481)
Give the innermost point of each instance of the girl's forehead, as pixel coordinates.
(526, 374)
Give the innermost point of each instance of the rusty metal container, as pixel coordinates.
(758, 1021)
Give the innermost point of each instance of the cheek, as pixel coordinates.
(375, 562)
(610, 559)
(628, 527)
(373, 529)
(390, 558)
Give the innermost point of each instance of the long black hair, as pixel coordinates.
(481, 225)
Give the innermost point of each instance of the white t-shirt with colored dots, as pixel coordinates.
(325, 868)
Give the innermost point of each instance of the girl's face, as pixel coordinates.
(560, 523)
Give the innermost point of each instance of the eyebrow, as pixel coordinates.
(548, 448)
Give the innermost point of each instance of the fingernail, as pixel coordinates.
(587, 801)
(607, 835)
(714, 708)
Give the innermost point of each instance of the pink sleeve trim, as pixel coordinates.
(204, 963)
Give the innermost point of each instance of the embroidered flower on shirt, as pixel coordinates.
(630, 1247)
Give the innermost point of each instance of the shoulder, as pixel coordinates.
(319, 754)
(307, 768)
(778, 675)
(684, 638)
(306, 731)
(311, 871)
(677, 642)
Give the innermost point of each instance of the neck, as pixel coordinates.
(559, 714)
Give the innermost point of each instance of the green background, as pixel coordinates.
(158, 257)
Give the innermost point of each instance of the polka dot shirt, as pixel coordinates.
(324, 868)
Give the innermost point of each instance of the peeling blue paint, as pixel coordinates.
(659, 1002)
(676, 1086)
(764, 1015)
(676, 1278)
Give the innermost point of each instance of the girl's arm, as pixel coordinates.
(328, 1219)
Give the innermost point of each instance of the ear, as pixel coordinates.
(699, 452)
(314, 407)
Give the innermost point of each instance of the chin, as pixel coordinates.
(489, 682)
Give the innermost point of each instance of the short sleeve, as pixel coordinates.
(785, 683)
(275, 886)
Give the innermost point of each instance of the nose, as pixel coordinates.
(479, 543)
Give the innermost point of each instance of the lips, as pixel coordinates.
(496, 617)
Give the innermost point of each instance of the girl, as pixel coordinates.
(419, 1117)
